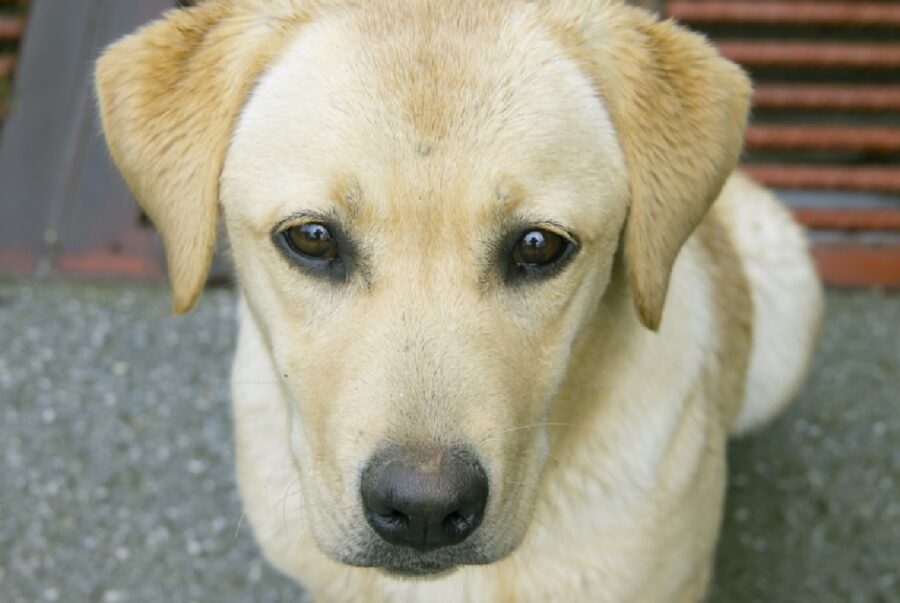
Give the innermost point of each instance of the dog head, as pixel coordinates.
(425, 202)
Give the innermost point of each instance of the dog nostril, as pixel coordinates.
(458, 525)
(396, 520)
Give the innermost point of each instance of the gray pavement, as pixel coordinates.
(116, 475)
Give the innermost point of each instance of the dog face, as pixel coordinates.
(471, 203)
(424, 203)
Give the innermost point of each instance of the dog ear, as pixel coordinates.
(169, 97)
(680, 111)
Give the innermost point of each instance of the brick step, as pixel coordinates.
(7, 64)
(865, 14)
(11, 28)
(858, 265)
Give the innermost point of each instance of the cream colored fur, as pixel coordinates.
(787, 299)
(599, 400)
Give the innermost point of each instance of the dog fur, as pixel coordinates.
(600, 400)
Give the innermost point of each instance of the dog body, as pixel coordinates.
(427, 155)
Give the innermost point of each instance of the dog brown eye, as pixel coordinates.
(539, 248)
(313, 241)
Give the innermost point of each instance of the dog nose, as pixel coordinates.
(424, 498)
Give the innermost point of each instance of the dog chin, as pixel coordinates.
(409, 565)
(419, 573)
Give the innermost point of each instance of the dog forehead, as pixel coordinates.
(415, 96)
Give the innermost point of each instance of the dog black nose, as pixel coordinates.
(424, 498)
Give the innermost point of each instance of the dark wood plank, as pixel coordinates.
(35, 131)
(99, 229)
(54, 170)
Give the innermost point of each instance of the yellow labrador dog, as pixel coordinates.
(503, 300)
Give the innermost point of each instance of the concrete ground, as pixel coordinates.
(116, 477)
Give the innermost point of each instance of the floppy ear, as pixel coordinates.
(169, 97)
(679, 110)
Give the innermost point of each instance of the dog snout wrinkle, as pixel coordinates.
(424, 499)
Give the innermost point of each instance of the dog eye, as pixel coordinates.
(538, 253)
(317, 248)
(312, 241)
(537, 248)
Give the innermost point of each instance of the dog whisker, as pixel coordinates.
(240, 522)
(522, 428)
(284, 499)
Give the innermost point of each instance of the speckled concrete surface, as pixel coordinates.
(116, 479)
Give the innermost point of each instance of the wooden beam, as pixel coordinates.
(849, 219)
(859, 14)
(877, 139)
(773, 53)
(858, 265)
(885, 179)
(827, 97)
